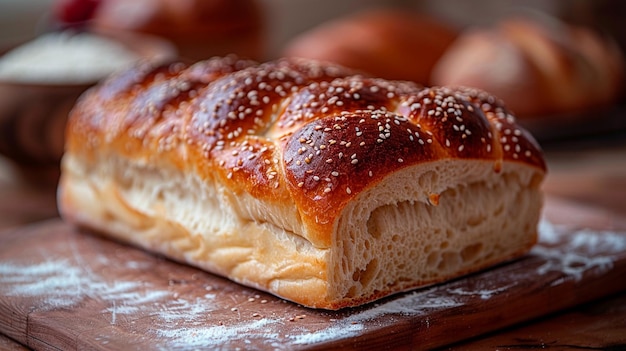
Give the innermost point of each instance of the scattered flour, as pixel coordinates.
(577, 251)
(268, 330)
(591, 241)
(548, 232)
(61, 284)
(412, 304)
(193, 312)
(58, 283)
(179, 323)
(571, 263)
(218, 337)
(338, 331)
(485, 294)
(415, 303)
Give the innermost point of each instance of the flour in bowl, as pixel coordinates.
(65, 57)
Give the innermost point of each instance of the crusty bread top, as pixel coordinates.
(305, 133)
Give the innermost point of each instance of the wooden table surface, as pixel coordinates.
(590, 176)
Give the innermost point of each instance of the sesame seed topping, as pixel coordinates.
(256, 111)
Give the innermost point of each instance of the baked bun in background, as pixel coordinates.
(537, 64)
(198, 28)
(386, 43)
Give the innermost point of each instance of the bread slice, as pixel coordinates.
(301, 179)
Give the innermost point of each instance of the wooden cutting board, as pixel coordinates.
(63, 289)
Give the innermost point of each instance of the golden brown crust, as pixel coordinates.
(292, 150)
(292, 129)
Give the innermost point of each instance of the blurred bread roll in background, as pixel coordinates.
(538, 65)
(387, 43)
(198, 28)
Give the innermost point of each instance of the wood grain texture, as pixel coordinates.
(597, 326)
(64, 289)
(7, 344)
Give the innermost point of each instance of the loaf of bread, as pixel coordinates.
(301, 179)
(385, 43)
(537, 64)
(199, 29)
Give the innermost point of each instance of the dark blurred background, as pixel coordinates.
(22, 20)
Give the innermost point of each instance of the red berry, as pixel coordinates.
(75, 12)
